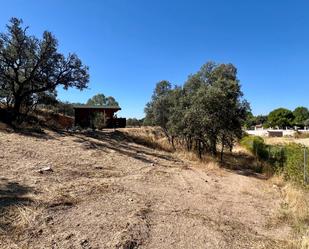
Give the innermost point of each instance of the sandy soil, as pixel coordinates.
(106, 191)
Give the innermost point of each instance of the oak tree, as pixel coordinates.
(32, 68)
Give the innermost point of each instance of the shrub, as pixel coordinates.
(99, 120)
(287, 159)
(294, 163)
(256, 146)
(276, 157)
(301, 135)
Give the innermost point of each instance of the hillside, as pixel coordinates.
(103, 190)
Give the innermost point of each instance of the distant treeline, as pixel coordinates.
(134, 122)
(208, 111)
(281, 118)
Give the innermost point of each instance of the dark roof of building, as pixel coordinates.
(96, 107)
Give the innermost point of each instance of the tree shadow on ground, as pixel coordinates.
(12, 195)
(243, 164)
(123, 144)
(28, 125)
(33, 132)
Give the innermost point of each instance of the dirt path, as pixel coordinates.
(108, 192)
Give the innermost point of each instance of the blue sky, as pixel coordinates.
(130, 45)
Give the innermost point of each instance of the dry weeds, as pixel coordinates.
(111, 190)
(286, 140)
(294, 211)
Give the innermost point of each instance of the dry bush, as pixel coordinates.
(16, 218)
(286, 140)
(301, 135)
(193, 157)
(60, 196)
(297, 200)
(152, 137)
(278, 180)
(279, 140)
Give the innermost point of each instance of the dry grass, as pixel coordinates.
(294, 210)
(206, 163)
(286, 140)
(193, 157)
(278, 180)
(152, 137)
(22, 216)
(100, 178)
(62, 198)
(239, 159)
(301, 135)
(18, 217)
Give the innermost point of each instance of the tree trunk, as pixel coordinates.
(17, 107)
(199, 150)
(173, 144)
(167, 135)
(222, 150)
(200, 147)
(189, 143)
(214, 148)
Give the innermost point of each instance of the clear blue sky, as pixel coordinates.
(130, 45)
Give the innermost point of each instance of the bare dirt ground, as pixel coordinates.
(105, 191)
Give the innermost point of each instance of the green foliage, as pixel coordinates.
(280, 117)
(276, 157)
(57, 106)
(100, 99)
(158, 110)
(273, 154)
(288, 159)
(301, 114)
(134, 122)
(294, 162)
(32, 68)
(261, 119)
(99, 120)
(65, 108)
(251, 120)
(207, 111)
(255, 145)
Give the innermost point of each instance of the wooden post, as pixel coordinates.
(256, 157)
(305, 164)
(281, 157)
